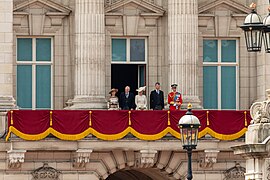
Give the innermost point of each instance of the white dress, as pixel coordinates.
(141, 102)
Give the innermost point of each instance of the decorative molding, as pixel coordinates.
(260, 111)
(46, 172)
(152, 8)
(146, 158)
(209, 159)
(51, 4)
(32, 23)
(82, 156)
(235, 173)
(15, 158)
(231, 3)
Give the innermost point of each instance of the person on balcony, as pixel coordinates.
(140, 99)
(113, 103)
(157, 98)
(174, 98)
(127, 100)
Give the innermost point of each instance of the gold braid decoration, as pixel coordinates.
(51, 118)
(129, 120)
(207, 118)
(169, 122)
(11, 117)
(245, 118)
(90, 118)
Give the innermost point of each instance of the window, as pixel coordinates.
(129, 50)
(34, 73)
(220, 68)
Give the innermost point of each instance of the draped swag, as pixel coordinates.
(114, 125)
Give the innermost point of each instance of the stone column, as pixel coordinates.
(6, 57)
(183, 48)
(89, 55)
(263, 59)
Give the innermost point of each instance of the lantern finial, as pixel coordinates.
(189, 106)
(252, 6)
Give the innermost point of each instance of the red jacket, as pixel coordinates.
(175, 100)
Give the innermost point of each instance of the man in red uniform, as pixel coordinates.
(174, 98)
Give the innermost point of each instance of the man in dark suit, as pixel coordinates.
(127, 100)
(157, 98)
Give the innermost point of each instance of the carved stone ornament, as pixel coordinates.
(15, 158)
(267, 169)
(260, 111)
(46, 172)
(235, 173)
(209, 159)
(82, 157)
(146, 158)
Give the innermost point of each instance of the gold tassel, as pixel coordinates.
(50, 118)
(11, 117)
(245, 118)
(90, 118)
(169, 122)
(129, 120)
(207, 118)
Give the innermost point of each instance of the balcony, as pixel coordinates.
(115, 125)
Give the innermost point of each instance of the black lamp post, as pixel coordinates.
(189, 127)
(257, 30)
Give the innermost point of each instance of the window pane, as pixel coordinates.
(142, 76)
(210, 87)
(43, 86)
(228, 51)
(24, 86)
(43, 49)
(210, 51)
(228, 87)
(119, 50)
(137, 50)
(24, 49)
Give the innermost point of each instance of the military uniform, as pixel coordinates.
(175, 99)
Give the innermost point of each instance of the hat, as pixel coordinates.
(141, 89)
(113, 89)
(174, 85)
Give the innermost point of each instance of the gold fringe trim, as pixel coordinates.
(245, 118)
(90, 118)
(207, 118)
(11, 117)
(51, 118)
(129, 119)
(73, 137)
(169, 122)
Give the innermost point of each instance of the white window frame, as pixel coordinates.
(34, 63)
(219, 64)
(128, 51)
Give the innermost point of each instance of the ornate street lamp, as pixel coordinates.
(266, 31)
(189, 127)
(253, 28)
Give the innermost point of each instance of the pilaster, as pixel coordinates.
(6, 54)
(183, 48)
(89, 55)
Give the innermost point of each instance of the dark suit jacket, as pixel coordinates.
(155, 98)
(129, 102)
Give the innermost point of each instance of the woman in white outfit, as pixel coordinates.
(140, 99)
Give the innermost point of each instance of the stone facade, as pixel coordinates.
(82, 31)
